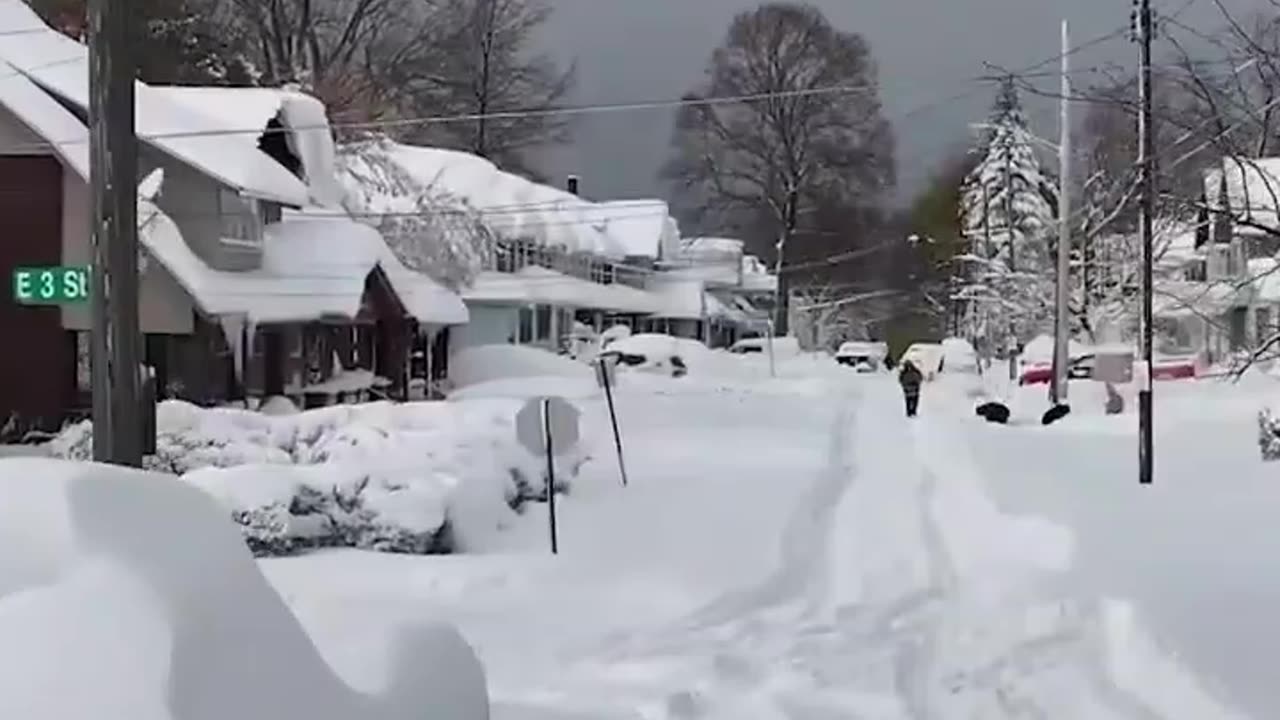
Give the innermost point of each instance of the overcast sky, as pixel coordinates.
(927, 51)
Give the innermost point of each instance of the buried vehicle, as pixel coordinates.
(863, 356)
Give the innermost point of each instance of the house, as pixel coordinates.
(253, 280)
(1216, 292)
(556, 259)
(712, 290)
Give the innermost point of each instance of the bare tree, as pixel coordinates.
(179, 41)
(810, 139)
(481, 68)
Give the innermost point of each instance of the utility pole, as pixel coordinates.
(1058, 390)
(113, 181)
(782, 296)
(1145, 211)
(990, 258)
(1013, 267)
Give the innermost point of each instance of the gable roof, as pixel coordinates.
(60, 66)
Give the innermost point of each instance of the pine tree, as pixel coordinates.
(1008, 213)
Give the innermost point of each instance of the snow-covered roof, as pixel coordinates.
(513, 206)
(534, 284)
(60, 65)
(756, 276)
(315, 264)
(1252, 190)
(302, 115)
(45, 117)
(638, 227)
(710, 246)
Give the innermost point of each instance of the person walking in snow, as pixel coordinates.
(910, 378)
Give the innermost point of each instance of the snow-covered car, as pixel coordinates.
(928, 357)
(660, 354)
(862, 356)
(747, 346)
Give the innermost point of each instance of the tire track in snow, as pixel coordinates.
(801, 569)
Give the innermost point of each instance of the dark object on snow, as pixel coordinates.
(1115, 403)
(910, 379)
(993, 412)
(1054, 414)
(679, 369)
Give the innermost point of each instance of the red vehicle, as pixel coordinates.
(1081, 368)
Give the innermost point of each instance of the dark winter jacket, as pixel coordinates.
(910, 378)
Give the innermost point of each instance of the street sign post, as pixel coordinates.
(57, 285)
(548, 425)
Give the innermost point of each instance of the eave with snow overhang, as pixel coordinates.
(60, 66)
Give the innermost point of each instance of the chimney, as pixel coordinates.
(571, 184)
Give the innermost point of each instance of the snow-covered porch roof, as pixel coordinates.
(538, 285)
(315, 264)
(682, 298)
(60, 66)
(1206, 299)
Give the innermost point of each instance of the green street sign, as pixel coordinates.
(51, 285)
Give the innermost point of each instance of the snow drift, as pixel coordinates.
(427, 477)
(124, 594)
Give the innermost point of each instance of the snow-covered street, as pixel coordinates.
(789, 549)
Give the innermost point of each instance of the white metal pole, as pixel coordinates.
(1060, 355)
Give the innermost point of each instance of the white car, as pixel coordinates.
(863, 356)
(927, 357)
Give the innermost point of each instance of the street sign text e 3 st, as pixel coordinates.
(59, 285)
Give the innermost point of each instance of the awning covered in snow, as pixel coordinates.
(682, 298)
(539, 285)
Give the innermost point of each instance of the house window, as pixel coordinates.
(526, 325)
(239, 223)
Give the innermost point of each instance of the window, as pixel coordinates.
(1196, 271)
(239, 223)
(1263, 326)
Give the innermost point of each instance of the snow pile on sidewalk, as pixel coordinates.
(126, 595)
(423, 477)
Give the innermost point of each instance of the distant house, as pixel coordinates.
(712, 290)
(254, 281)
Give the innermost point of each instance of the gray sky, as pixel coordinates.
(927, 50)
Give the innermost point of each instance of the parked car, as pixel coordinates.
(862, 356)
(1081, 368)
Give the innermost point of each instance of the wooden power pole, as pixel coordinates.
(1146, 209)
(113, 181)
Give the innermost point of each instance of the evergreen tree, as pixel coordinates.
(1008, 212)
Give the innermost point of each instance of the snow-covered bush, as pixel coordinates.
(415, 477)
(1268, 435)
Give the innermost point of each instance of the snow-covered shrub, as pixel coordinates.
(380, 476)
(1268, 435)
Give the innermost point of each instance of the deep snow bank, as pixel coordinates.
(124, 594)
(413, 477)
